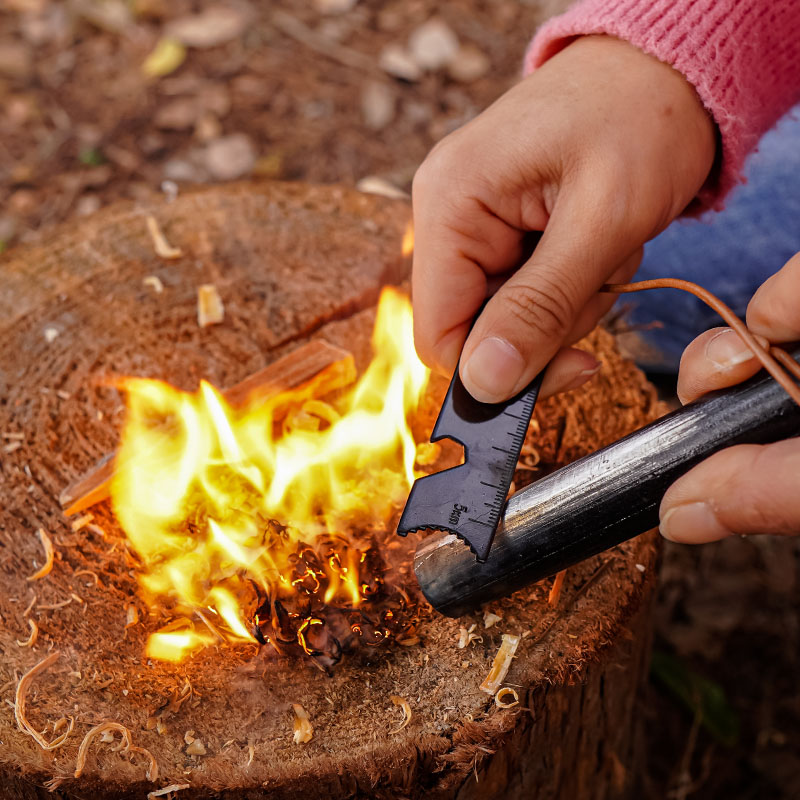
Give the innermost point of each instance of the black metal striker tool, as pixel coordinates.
(467, 500)
(585, 507)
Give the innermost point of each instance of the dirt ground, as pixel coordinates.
(108, 99)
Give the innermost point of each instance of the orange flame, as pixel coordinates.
(212, 498)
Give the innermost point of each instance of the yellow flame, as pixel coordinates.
(211, 497)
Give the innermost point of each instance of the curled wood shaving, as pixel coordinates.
(501, 702)
(19, 706)
(210, 309)
(91, 574)
(131, 616)
(501, 663)
(152, 767)
(49, 553)
(466, 637)
(54, 606)
(302, 725)
(490, 619)
(403, 703)
(104, 730)
(31, 640)
(154, 282)
(160, 244)
(173, 787)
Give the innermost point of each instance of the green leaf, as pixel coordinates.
(91, 157)
(700, 695)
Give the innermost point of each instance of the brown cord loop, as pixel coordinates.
(775, 360)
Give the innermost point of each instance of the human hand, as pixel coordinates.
(601, 148)
(747, 488)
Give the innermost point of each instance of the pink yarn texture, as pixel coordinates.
(742, 57)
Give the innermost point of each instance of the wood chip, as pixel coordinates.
(467, 636)
(160, 244)
(403, 703)
(303, 732)
(49, 552)
(490, 619)
(19, 706)
(210, 310)
(501, 664)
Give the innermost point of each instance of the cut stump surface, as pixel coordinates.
(290, 262)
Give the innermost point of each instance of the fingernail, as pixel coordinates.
(493, 370)
(582, 377)
(692, 523)
(725, 350)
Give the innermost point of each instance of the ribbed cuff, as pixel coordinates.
(742, 57)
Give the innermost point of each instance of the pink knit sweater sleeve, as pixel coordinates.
(742, 56)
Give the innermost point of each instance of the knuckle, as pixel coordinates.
(546, 309)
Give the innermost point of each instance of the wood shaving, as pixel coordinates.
(501, 702)
(54, 606)
(160, 244)
(303, 732)
(49, 553)
(19, 706)
(555, 589)
(31, 640)
(30, 607)
(501, 663)
(210, 310)
(105, 731)
(131, 616)
(154, 282)
(81, 522)
(152, 767)
(101, 729)
(90, 573)
(403, 703)
(490, 619)
(466, 637)
(173, 787)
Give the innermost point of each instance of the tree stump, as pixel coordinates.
(290, 262)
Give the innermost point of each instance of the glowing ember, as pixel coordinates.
(263, 529)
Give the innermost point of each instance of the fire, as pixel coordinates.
(237, 514)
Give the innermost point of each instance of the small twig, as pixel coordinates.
(300, 32)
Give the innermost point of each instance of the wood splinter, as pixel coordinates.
(312, 370)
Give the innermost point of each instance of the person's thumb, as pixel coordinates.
(541, 305)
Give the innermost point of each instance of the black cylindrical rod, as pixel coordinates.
(601, 499)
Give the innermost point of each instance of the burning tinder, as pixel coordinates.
(259, 525)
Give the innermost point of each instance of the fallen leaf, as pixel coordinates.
(165, 58)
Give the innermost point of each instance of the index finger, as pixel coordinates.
(458, 243)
